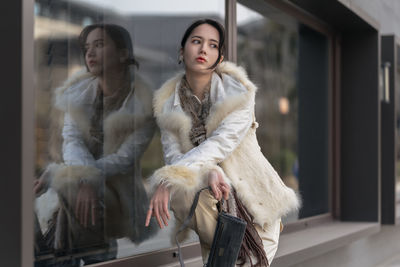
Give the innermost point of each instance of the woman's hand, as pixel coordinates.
(218, 186)
(86, 205)
(38, 186)
(159, 206)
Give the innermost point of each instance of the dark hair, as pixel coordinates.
(217, 26)
(118, 34)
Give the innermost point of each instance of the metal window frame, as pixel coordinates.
(231, 32)
(333, 111)
(28, 129)
(320, 26)
(390, 45)
(18, 140)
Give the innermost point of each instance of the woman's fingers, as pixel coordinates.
(224, 187)
(163, 214)
(159, 207)
(166, 201)
(165, 208)
(216, 191)
(218, 186)
(220, 191)
(148, 217)
(224, 184)
(86, 205)
(36, 187)
(225, 192)
(157, 215)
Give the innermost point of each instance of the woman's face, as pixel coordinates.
(201, 49)
(102, 55)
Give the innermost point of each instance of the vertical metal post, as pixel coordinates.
(17, 141)
(231, 31)
(336, 151)
(28, 133)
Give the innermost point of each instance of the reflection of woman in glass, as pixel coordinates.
(107, 126)
(206, 117)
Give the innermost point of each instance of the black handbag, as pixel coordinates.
(228, 237)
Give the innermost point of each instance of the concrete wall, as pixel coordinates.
(385, 12)
(383, 248)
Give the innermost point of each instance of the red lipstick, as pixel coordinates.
(201, 59)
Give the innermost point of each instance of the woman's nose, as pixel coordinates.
(90, 51)
(203, 49)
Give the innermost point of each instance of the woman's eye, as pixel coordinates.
(196, 41)
(214, 46)
(99, 45)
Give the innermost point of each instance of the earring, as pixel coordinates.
(180, 59)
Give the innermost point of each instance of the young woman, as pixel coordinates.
(107, 125)
(207, 122)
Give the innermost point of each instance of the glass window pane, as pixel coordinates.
(96, 139)
(289, 63)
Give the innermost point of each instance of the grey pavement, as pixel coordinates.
(394, 261)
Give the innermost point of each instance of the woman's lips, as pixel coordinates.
(201, 59)
(92, 62)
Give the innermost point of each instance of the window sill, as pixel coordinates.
(298, 246)
(294, 247)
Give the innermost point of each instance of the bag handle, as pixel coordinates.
(187, 221)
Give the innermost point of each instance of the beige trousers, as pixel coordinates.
(204, 222)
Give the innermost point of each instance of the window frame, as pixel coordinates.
(390, 204)
(333, 111)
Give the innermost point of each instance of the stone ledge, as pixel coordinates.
(305, 244)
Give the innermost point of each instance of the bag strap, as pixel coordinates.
(186, 223)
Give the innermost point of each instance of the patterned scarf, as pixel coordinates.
(252, 244)
(102, 107)
(198, 110)
(96, 126)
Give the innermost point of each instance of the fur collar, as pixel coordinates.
(228, 68)
(71, 87)
(76, 97)
(178, 122)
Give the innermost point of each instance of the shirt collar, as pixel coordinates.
(217, 91)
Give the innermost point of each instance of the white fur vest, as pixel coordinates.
(231, 147)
